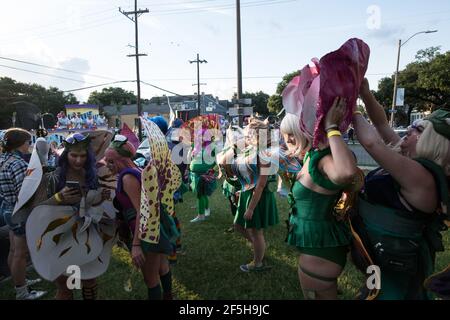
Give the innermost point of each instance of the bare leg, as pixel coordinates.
(318, 277)
(19, 260)
(164, 265)
(151, 269)
(62, 292)
(245, 232)
(259, 246)
(11, 250)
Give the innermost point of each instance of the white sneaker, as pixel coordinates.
(207, 212)
(30, 282)
(23, 293)
(198, 219)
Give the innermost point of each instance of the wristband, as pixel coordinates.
(333, 133)
(357, 112)
(58, 197)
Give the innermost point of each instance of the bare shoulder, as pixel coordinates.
(130, 182)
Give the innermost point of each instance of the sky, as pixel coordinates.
(92, 39)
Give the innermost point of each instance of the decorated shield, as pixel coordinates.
(160, 179)
(33, 177)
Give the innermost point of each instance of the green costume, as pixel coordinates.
(265, 213)
(313, 228)
(401, 242)
(199, 167)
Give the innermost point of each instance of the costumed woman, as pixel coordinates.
(67, 226)
(257, 209)
(404, 203)
(15, 143)
(150, 257)
(324, 97)
(321, 239)
(201, 173)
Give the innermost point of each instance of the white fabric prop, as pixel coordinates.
(61, 236)
(30, 184)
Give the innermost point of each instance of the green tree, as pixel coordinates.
(259, 102)
(275, 103)
(426, 83)
(51, 100)
(111, 96)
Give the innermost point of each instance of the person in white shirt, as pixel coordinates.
(101, 120)
(63, 121)
(89, 123)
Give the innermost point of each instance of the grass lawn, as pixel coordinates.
(209, 269)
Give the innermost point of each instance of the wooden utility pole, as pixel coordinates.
(198, 61)
(239, 62)
(136, 14)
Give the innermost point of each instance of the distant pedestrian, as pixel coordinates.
(351, 133)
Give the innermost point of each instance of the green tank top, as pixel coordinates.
(313, 224)
(201, 163)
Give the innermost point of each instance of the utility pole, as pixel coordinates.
(137, 13)
(394, 98)
(198, 61)
(239, 61)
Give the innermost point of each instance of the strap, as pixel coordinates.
(316, 276)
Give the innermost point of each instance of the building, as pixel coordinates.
(128, 113)
(184, 107)
(418, 115)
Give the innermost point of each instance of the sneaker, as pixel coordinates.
(207, 212)
(198, 219)
(24, 293)
(251, 267)
(230, 230)
(31, 282)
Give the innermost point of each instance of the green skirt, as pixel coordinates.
(265, 214)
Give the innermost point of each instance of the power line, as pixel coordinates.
(98, 85)
(176, 3)
(219, 7)
(55, 68)
(94, 85)
(41, 73)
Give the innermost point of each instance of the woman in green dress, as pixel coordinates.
(321, 239)
(257, 207)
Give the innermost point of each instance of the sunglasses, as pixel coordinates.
(416, 125)
(75, 138)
